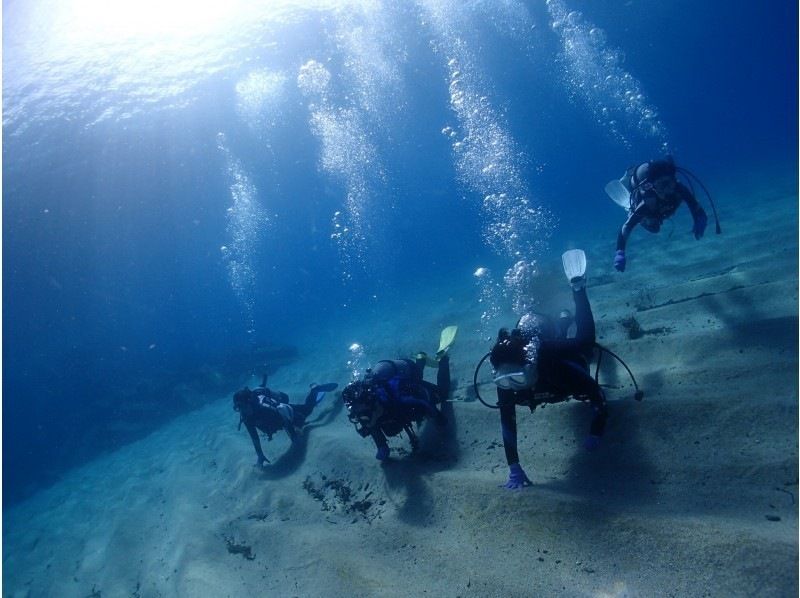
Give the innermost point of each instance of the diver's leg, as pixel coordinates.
(443, 377)
(300, 413)
(419, 366)
(576, 380)
(584, 320)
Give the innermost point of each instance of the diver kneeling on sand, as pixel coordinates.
(270, 411)
(536, 363)
(393, 396)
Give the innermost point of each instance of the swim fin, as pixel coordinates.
(574, 262)
(619, 194)
(446, 340)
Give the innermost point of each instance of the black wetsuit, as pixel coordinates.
(404, 399)
(270, 411)
(651, 210)
(563, 370)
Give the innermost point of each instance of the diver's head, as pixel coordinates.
(657, 176)
(533, 325)
(243, 401)
(509, 348)
(513, 369)
(360, 399)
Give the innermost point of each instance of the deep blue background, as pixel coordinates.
(112, 232)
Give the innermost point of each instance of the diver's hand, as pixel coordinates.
(619, 261)
(517, 479)
(700, 222)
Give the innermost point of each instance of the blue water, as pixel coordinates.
(178, 188)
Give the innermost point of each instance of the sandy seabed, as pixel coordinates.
(693, 492)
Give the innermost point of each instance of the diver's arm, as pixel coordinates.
(378, 437)
(251, 429)
(699, 217)
(625, 232)
(508, 424)
(380, 443)
(698, 213)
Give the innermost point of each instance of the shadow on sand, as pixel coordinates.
(290, 461)
(439, 450)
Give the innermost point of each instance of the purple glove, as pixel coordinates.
(619, 261)
(383, 453)
(700, 222)
(517, 478)
(592, 443)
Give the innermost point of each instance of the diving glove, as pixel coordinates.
(619, 261)
(517, 478)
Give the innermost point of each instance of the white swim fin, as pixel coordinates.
(619, 194)
(574, 262)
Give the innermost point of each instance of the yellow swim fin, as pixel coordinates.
(446, 340)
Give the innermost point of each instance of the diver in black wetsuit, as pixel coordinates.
(393, 396)
(533, 361)
(655, 195)
(270, 411)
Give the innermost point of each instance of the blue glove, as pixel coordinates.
(592, 443)
(517, 478)
(619, 261)
(700, 222)
(383, 453)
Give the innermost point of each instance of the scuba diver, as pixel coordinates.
(270, 411)
(651, 193)
(536, 363)
(393, 396)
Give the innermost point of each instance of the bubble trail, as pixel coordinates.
(246, 220)
(348, 155)
(261, 99)
(594, 72)
(485, 154)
